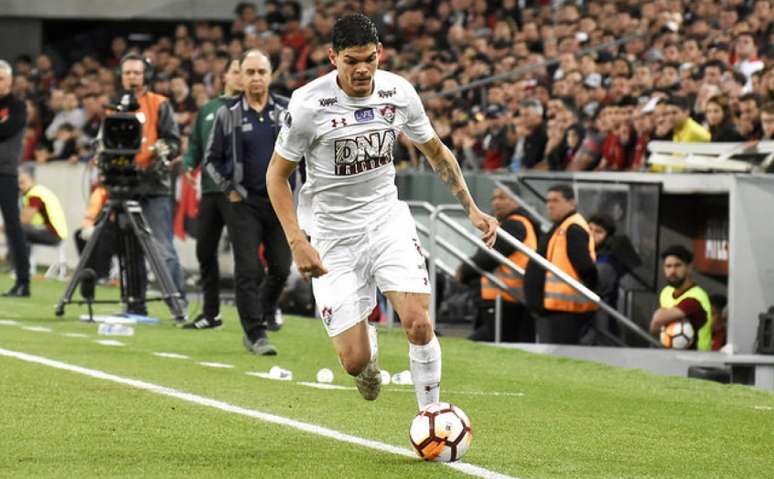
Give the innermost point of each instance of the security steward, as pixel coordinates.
(682, 299)
(517, 323)
(237, 157)
(563, 315)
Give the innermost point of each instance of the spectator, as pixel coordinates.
(686, 130)
(563, 315)
(530, 137)
(71, 114)
(182, 102)
(767, 121)
(747, 61)
(749, 122)
(720, 121)
(682, 299)
(517, 323)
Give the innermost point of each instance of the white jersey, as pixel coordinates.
(348, 144)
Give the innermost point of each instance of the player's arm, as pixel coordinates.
(305, 256)
(664, 316)
(446, 167)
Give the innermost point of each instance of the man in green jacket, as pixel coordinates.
(213, 205)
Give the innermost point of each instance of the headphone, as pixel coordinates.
(147, 68)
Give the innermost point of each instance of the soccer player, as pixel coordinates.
(344, 124)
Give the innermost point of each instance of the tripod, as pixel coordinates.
(132, 231)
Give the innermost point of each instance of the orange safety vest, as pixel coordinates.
(560, 296)
(148, 114)
(513, 280)
(97, 200)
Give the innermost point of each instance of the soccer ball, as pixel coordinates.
(677, 335)
(440, 432)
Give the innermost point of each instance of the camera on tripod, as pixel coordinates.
(119, 140)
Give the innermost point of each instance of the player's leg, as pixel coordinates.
(400, 272)
(344, 298)
(424, 348)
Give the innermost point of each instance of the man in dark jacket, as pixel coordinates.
(213, 205)
(13, 118)
(237, 157)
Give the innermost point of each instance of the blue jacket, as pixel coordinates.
(224, 158)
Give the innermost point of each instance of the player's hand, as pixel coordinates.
(486, 224)
(234, 197)
(307, 260)
(190, 178)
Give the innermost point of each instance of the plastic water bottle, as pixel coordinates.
(109, 329)
(277, 372)
(402, 378)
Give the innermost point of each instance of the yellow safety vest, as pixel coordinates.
(560, 296)
(52, 209)
(513, 280)
(667, 300)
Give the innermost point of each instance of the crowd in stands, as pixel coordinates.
(599, 80)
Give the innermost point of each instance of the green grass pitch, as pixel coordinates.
(533, 416)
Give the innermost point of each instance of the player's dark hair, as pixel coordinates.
(564, 189)
(678, 251)
(354, 30)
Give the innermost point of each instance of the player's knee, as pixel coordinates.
(419, 330)
(355, 361)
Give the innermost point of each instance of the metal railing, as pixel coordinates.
(437, 214)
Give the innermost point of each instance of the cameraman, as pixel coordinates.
(160, 142)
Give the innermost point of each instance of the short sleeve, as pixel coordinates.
(297, 132)
(418, 127)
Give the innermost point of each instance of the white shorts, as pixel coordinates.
(388, 256)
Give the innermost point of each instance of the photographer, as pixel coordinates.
(161, 141)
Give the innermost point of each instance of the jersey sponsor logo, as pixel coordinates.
(337, 122)
(387, 93)
(363, 153)
(328, 101)
(364, 115)
(387, 112)
(287, 120)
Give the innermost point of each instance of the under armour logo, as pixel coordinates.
(335, 122)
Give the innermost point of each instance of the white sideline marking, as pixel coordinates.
(216, 365)
(268, 376)
(171, 355)
(763, 408)
(325, 386)
(109, 342)
(75, 335)
(465, 468)
(37, 329)
(8, 322)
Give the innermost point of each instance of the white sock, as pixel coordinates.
(425, 363)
